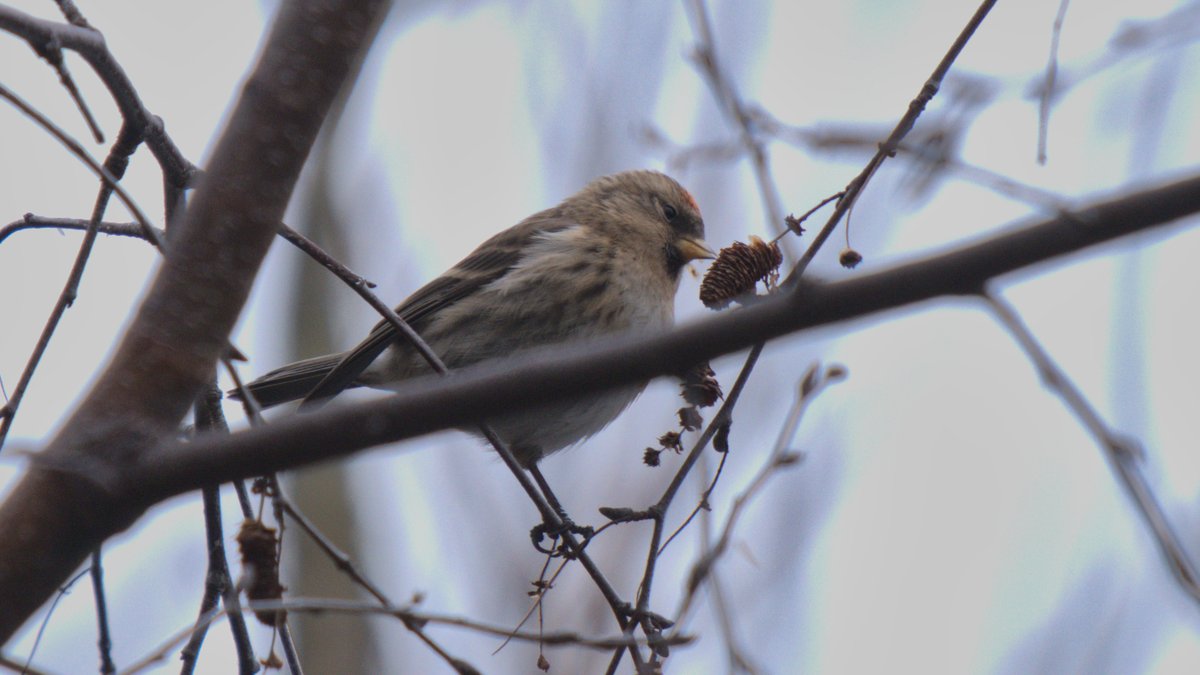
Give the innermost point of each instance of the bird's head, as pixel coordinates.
(648, 209)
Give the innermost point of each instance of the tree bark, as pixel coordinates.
(68, 501)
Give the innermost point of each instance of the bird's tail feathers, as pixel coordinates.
(291, 382)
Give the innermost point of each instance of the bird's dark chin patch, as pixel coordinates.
(674, 260)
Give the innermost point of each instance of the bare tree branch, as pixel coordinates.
(82, 38)
(54, 518)
(110, 173)
(464, 396)
(1124, 454)
(407, 614)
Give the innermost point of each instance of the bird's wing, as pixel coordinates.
(487, 263)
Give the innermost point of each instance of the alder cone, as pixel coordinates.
(738, 268)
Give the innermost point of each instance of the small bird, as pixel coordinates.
(606, 261)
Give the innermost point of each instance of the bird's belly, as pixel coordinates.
(545, 429)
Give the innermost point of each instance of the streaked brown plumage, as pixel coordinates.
(605, 261)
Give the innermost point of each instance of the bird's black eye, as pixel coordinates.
(669, 212)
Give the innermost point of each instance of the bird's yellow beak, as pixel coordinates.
(694, 249)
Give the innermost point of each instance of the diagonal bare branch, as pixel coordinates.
(473, 393)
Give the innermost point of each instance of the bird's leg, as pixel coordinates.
(553, 531)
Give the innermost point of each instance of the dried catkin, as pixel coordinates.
(260, 565)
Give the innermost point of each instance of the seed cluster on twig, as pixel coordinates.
(700, 389)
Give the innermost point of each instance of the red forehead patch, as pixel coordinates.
(691, 200)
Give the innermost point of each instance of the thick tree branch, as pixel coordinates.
(61, 509)
(462, 397)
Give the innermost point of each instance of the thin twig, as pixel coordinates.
(1124, 454)
(795, 223)
(344, 563)
(1051, 81)
(702, 504)
(21, 666)
(1133, 40)
(542, 585)
(340, 559)
(290, 652)
(726, 93)
(782, 457)
(34, 222)
(737, 653)
(868, 140)
(658, 511)
(104, 637)
(110, 173)
(704, 570)
(76, 149)
(62, 591)
(680, 157)
(405, 615)
(160, 654)
(81, 37)
(886, 149)
(52, 54)
(218, 583)
(318, 606)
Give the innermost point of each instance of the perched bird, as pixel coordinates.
(605, 261)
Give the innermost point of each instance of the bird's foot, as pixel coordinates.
(560, 545)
